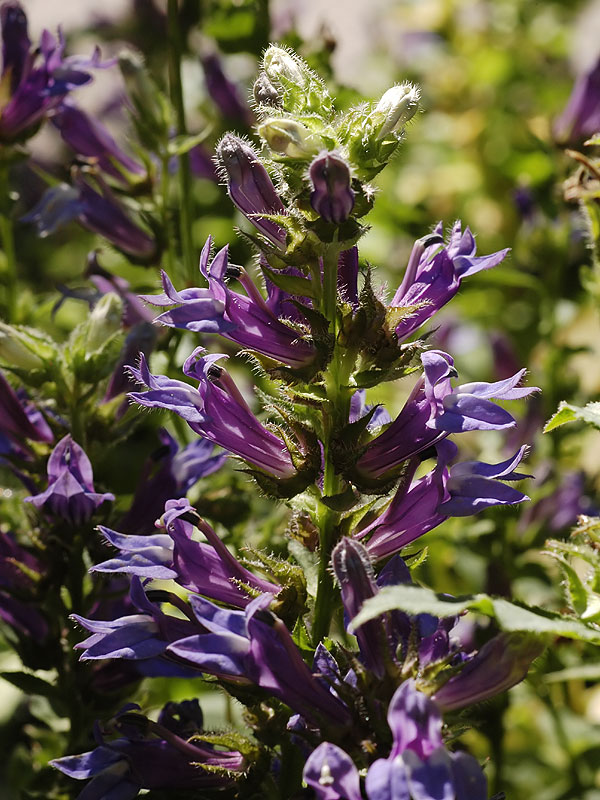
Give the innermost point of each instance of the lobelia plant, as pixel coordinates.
(350, 710)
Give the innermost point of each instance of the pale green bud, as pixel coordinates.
(279, 63)
(17, 349)
(290, 138)
(397, 106)
(104, 321)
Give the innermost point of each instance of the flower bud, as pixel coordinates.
(332, 198)
(17, 349)
(104, 321)
(265, 94)
(279, 63)
(397, 106)
(250, 187)
(289, 137)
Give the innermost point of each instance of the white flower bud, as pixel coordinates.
(104, 321)
(290, 138)
(397, 106)
(278, 63)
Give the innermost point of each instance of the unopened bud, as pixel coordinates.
(290, 137)
(280, 64)
(16, 349)
(332, 198)
(397, 106)
(104, 321)
(265, 93)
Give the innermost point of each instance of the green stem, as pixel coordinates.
(176, 93)
(165, 184)
(8, 246)
(336, 415)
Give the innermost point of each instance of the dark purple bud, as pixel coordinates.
(250, 187)
(501, 663)
(89, 138)
(70, 494)
(224, 94)
(20, 420)
(332, 198)
(352, 568)
(15, 43)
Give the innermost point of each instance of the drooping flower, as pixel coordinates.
(70, 494)
(245, 319)
(250, 187)
(434, 273)
(35, 81)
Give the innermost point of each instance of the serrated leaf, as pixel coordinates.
(509, 616)
(569, 413)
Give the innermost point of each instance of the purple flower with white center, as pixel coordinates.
(149, 755)
(331, 197)
(419, 506)
(581, 116)
(98, 211)
(89, 138)
(255, 647)
(418, 766)
(70, 494)
(36, 81)
(142, 637)
(250, 187)
(217, 411)
(20, 419)
(245, 319)
(433, 275)
(168, 474)
(222, 91)
(208, 569)
(435, 409)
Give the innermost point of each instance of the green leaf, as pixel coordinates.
(509, 616)
(292, 284)
(343, 501)
(183, 144)
(30, 684)
(569, 413)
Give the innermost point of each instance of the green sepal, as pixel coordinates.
(292, 284)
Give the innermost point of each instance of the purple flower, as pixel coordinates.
(217, 411)
(435, 409)
(245, 319)
(70, 494)
(149, 755)
(581, 116)
(19, 419)
(140, 339)
(209, 569)
(142, 637)
(331, 196)
(37, 81)
(419, 506)
(434, 274)
(98, 211)
(254, 646)
(418, 766)
(222, 91)
(89, 138)
(500, 664)
(250, 187)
